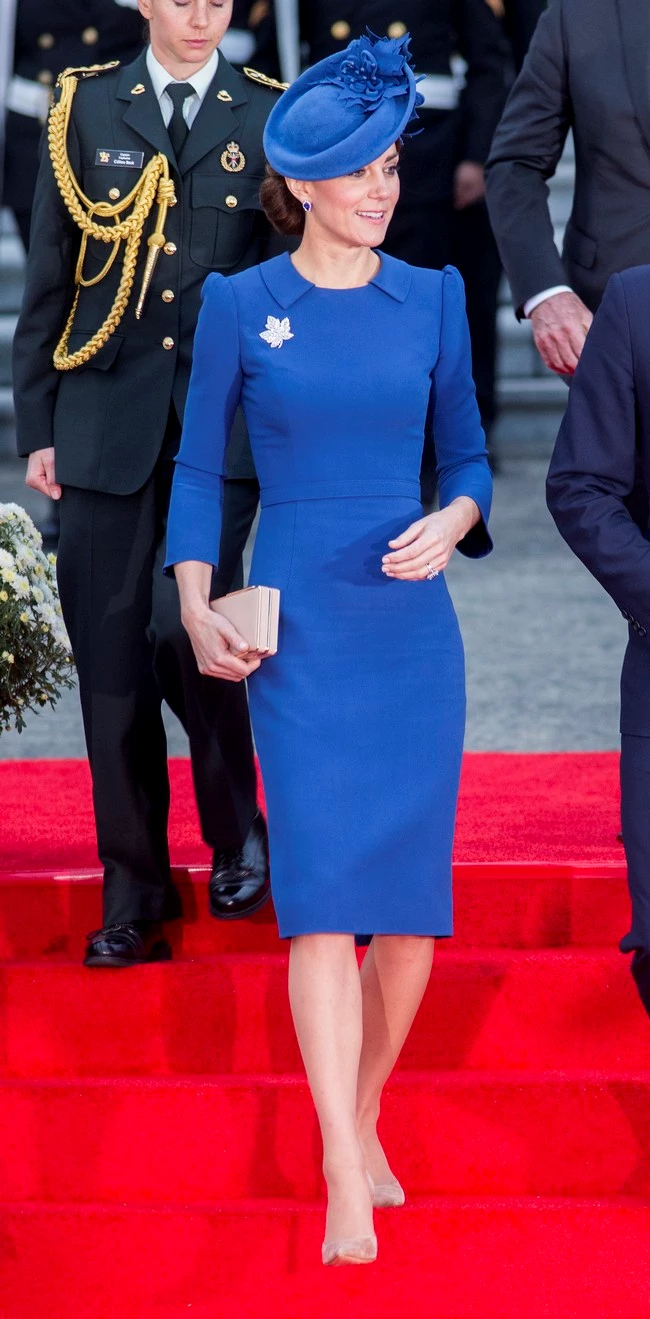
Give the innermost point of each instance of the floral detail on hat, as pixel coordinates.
(373, 69)
(277, 331)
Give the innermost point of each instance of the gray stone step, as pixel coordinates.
(7, 431)
(7, 327)
(12, 266)
(530, 412)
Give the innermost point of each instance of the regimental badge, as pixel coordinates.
(104, 157)
(233, 158)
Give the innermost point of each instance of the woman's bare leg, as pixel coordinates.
(394, 976)
(325, 995)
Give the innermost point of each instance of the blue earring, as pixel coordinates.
(306, 206)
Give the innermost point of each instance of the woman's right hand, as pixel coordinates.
(219, 649)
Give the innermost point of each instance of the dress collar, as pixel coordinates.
(287, 285)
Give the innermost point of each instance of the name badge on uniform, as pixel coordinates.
(123, 159)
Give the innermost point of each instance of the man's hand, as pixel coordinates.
(40, 473)
(560, 325)
(469, 184)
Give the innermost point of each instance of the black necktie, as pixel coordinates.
(177, 128)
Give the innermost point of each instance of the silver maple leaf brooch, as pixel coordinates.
(277, 331)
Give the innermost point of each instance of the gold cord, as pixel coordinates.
(154, 185)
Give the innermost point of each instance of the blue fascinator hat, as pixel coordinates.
(343, 112)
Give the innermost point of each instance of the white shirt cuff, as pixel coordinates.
(541, 297)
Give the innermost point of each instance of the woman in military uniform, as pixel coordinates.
(150, 181)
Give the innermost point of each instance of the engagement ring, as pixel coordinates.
(431, 571)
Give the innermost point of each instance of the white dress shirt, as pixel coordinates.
(160, 79)
(532, 303)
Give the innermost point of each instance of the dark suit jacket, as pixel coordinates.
(599, 479)
(587, 68)
(107, 419)
(521, 18)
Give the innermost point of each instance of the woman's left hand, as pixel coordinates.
(428, 544)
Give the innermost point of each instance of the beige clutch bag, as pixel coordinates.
(255, 613)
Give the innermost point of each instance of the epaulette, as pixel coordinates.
(266, 82)
(86, 71)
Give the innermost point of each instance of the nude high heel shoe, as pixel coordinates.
(353, 1250)
(387, 1195)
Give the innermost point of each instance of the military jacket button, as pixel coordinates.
(113, 194)
(231, 201)
(169, 249)
(46, 41)
(340, 30)
(167, 295)
(167, 342)
(397, 30)
(90, 36)
(46, 77)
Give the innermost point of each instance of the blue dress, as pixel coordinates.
(359, 718)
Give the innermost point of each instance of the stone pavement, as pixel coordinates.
(544, 643)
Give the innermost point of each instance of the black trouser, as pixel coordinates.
(635, 805)
(132, 652)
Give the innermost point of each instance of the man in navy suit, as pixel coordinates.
(598, 493)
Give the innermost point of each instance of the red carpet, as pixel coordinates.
(158, 1150)
(512, 808)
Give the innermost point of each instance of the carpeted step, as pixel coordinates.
(257, 1137)
(230, 1014)
(448, 1258)
(516, 905)
(540, 807)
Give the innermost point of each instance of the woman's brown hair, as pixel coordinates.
(282, 209)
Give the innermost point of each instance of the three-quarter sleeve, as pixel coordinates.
(195, 512)
(461, 456)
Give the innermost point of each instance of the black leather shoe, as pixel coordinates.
(126, 945)
(239, 883)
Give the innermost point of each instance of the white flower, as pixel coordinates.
(8, 575)
(38, 595)
(21, 588)
(6, 560)
(8, 511)
(47, 614)
(25, 557)
(277, 332)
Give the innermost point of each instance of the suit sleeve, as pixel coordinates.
(525, 152)
(484, 46)
(195, 513)
(47, 299)
(592, 472)
(461, 456)
(593, 468)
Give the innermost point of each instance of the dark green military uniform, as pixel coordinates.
(114, 424)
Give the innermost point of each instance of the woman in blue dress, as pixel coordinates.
(343, 358)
